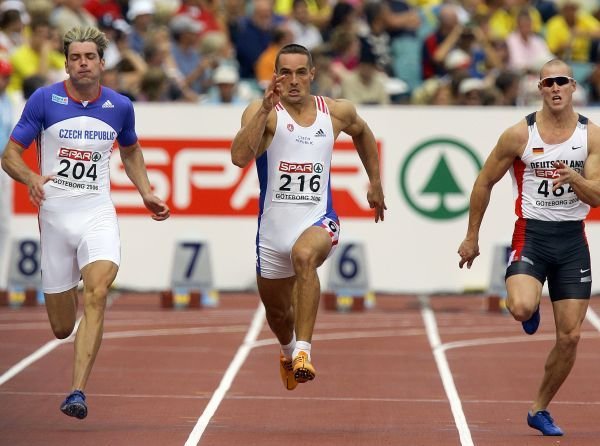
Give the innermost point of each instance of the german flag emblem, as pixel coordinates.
(538, 150)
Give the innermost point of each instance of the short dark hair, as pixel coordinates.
(293, 48)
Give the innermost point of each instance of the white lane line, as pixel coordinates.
(301, 398)
(173, 331)
(229, 376)
(593, 318)
(47, 348)
(35, 356)
(445, 373)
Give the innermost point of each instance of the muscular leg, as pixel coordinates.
(308, 253)
(524, 293)
(277, 297)
(62, 312)
(568, 315)
(97, 279)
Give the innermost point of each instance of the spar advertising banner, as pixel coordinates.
(429, 160)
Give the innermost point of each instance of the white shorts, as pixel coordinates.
(277, 264)
(71, 239)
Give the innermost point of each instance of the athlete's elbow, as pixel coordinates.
(239, 160)
(4, 162)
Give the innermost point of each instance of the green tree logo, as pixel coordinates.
(437, 176)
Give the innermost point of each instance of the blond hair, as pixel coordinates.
(89, 34)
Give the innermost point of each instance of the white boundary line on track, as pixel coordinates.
(36, 355)
(593, 318)
(234, 367)
(439, 355)
(47, 347)
(33, 357)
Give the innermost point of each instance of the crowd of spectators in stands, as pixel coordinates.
(439, 52)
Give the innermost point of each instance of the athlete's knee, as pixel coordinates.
(568, 341)
(62, 330)
(95, 298)
(304, 258)
(279, 315)
(519, 309)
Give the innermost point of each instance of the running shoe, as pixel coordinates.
(74, 405)
(286, 370)
(531, 325)
(303, 369)
(543, 422)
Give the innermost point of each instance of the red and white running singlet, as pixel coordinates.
(533, 174)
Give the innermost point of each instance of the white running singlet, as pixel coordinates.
(533, 173)
(295, 191)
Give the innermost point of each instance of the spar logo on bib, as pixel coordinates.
(197, 178)
(437, 176)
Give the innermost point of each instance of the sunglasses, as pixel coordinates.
(559, 80)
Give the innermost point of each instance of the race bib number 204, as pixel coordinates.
(77, 170)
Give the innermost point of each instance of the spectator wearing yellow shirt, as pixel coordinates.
(318, 10)
(503, 20)
(38, 57)
(570, 33)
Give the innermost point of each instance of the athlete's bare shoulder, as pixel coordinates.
(593, 138)
(342, 109)
(513, 140)
(252, 109)
(344, 116)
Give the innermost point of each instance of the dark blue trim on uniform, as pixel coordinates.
(262, 167)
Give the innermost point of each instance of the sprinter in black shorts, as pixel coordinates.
(554, 159)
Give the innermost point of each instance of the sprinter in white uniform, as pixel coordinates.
(75, 124)
(291, 133)
(554, 159)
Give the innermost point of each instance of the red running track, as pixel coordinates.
(413, 371)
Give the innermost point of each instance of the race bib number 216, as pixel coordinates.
(299, 183)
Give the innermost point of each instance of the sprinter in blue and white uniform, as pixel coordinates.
(291, 134)
(75, 124)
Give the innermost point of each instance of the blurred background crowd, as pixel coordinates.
(441, 52)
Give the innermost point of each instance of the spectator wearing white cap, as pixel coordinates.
(470, 91)
(16, 5)
(194, 67)
(225, 89)
(140, 15)
(13, 17)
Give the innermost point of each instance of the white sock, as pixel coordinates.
(302, 346)
(288, 349)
